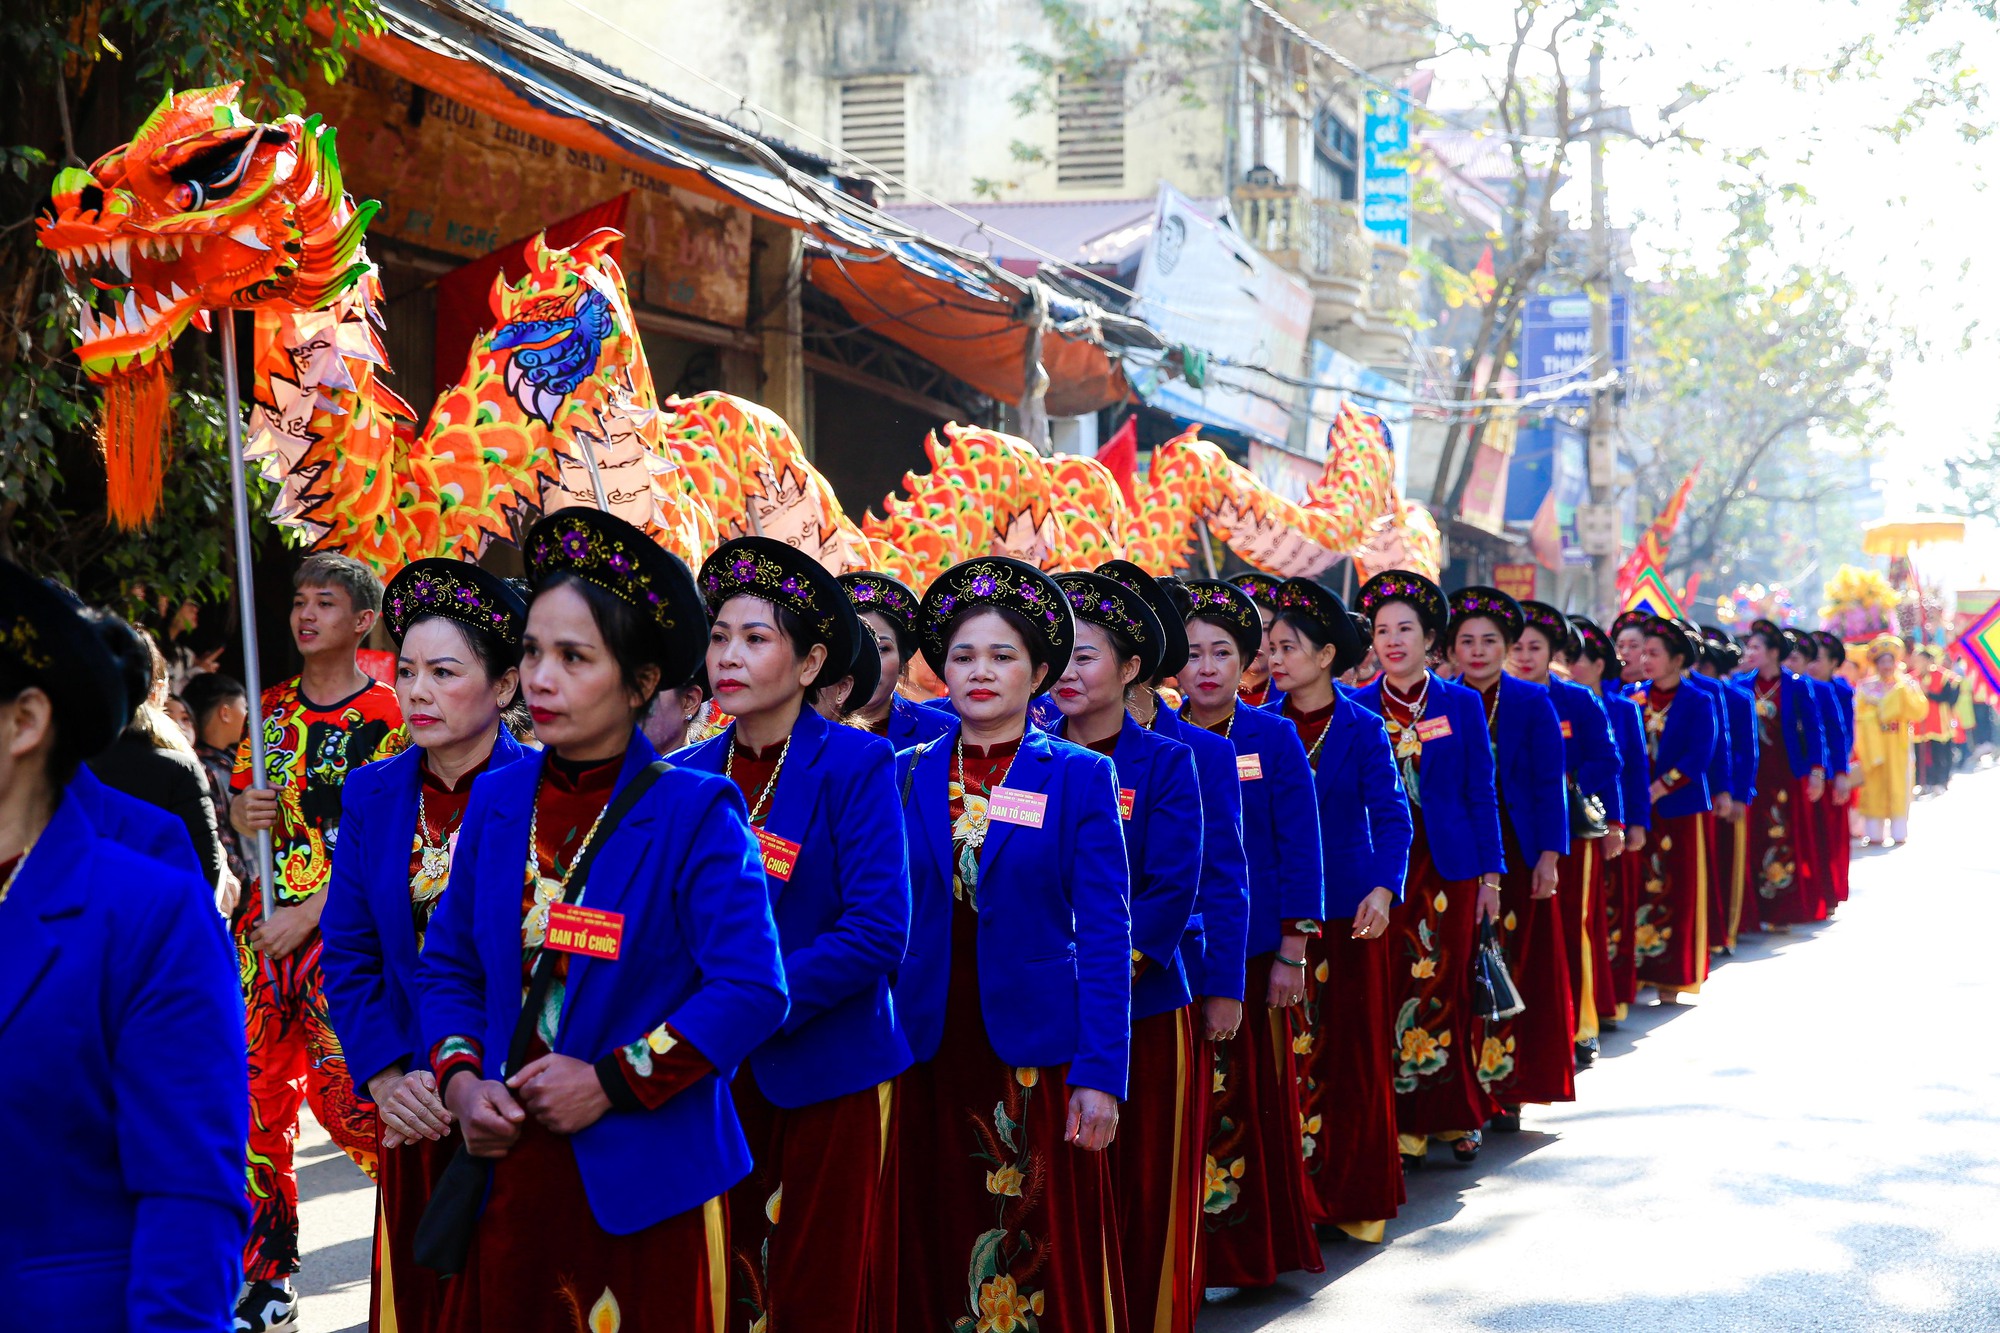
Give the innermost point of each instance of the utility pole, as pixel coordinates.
(1603, 452)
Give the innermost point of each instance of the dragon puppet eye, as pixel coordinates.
(212, 173)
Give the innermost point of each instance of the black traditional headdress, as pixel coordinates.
(871, 590)
(456, 590)
(49, 638)
(1099, 600)
(608, 553)
(1591, 636)
(784, 576)
(1165, 609)
(1262, 587)
(1480, 600)
(1230, 605)
(1561, 634)
(1321, 606)
(999, 580)
(1413, 590)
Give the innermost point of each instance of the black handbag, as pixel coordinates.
(1586, 814)
(444, 1233)
(1495, 997)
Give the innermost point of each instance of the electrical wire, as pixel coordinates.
(742, 100)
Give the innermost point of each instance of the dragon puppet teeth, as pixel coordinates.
(246, 234)
(121, 255)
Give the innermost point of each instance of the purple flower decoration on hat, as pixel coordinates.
(984, 585)
(864, 592)
(575, 543)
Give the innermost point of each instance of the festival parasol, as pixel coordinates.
(1894, 537)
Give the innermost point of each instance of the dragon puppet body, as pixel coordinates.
(208, 210)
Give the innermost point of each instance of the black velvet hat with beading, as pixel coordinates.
(1413, 590)
(1097, 600)
(456, 590)
(785, 576)
(1000, 581)
(610, 554)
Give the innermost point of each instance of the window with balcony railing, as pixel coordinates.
(1090, 131)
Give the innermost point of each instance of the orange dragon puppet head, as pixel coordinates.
(203, 210)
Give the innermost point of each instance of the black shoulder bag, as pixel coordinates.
(444, 1233)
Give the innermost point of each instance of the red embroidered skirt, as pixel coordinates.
(541, 1264)
(1437, 1041)
(998, 1217)
(1670, 929)
(1782, 852)
(1836, 849)
(803, 1223)
(1621, 907)
(1253, 1205)
(1531, 1057)
(403, 1296)
(1581, 915)
(1352, 1171)
(1732, 855)
(1156, 1174)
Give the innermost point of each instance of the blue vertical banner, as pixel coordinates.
(1385, 196)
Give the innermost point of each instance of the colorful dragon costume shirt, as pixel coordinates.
(309, 749)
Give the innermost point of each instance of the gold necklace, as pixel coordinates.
(433, 859)
(550, 889)
(770, 783)
(19, 862)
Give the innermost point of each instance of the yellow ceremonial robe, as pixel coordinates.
(1883, 715)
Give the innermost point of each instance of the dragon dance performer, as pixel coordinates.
(1591, 666)
(1836, 847)
(580, 1018)
(125, 1204)
(816, 1099)
(1530, 1057)
(319, 727)
(1354, 1178)
(1591, 769)
(1887, 705)
(888, 610)
(1791, 777)
(1438, 732)
(1016, 990)
(1255, 1219)
(1670, 928)
(458, 639)
(1156, 1171)
(1263, 591)
(1721, 656)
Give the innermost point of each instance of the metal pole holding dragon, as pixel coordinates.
(246, 603)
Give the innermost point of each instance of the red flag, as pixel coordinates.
(463, 312)
(1120, 453)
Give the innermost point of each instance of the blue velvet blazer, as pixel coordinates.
(1163, 858)
(1741, 714)
(843, 917)
(1590, 753)
(125, 1206)
(1799, 716)
(1722, 763)
(1364, 814)
(370, 954)
(1055, 928)
(1628, 730)
(700, 953)
(1281, 833)
(1687, 747)
(914, 723)
(1834, 749)
(1529, 764)
(1456, 784)
(131, 822)
(1213, 948)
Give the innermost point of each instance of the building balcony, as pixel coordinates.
(1318, 239)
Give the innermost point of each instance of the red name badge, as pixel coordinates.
(589, 931)
(1566, 735)
(1433, 728)
(1249, 767)
(1008, 806)
(780, 854)
(1125, 797)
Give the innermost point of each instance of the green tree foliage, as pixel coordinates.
(82, 74)
(1764, 371)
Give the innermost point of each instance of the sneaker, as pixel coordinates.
(267, 1307)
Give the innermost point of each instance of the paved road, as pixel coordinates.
(1812, 1143)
